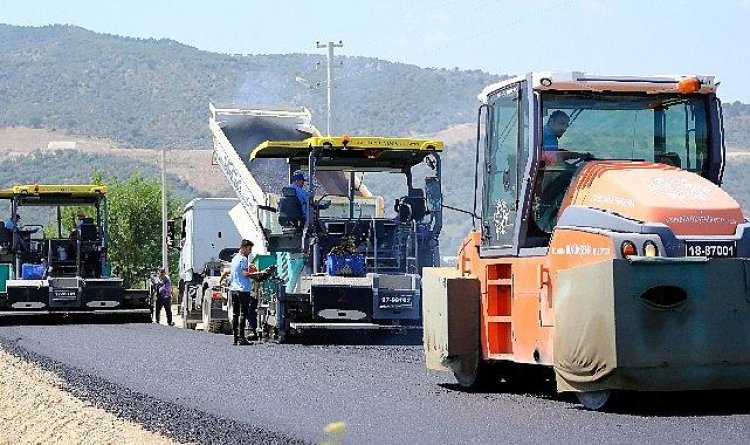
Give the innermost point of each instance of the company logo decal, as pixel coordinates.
(680, 189)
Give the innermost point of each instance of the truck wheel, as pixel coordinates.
(186, 310)
(282, 338)
(190, 325)
(214, 327)
(208, 324)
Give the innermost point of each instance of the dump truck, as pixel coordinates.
(607, 256)
(208, 239)
(52, 266)
(347, 265)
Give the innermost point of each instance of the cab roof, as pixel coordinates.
(580, 81)
(55, 191)
(360, 153)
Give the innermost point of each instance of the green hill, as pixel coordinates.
(155, 93)
(150, 93)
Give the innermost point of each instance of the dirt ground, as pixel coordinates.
(35, 410)
(192, 166)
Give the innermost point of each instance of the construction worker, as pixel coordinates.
(244, 306)
(11, 224)
(164, 296)
(553, 130)
(298, 182)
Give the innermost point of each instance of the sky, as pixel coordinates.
(635, 37)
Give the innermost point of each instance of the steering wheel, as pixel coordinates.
(32, 228)
(577, 158)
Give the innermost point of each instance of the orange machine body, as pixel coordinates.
(607, 251)
(517, 307)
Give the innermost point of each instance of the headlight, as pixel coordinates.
(650, 249)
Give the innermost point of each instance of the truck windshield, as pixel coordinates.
(671, 129)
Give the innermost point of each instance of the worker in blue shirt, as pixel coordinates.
(556, 125)
(244, 306)
(553, 130)
(11, 224)
(298, 182)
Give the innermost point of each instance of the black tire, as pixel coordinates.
(214, 327)
(184, 310)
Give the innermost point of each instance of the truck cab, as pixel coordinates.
(208, 237)
(606, 118)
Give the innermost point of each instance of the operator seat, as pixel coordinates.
(290, 209)
(413, 206)
(89, 232)
(6, 238)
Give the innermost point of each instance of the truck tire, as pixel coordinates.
(226, 327)
(215, 327)
(210, 325)
(186, 311)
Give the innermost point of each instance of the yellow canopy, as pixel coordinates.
(352, 152)
(65, 190)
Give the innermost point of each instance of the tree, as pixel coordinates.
(135, 227)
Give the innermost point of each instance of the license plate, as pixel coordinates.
(711, 249)
(65, 294)
(395, 301)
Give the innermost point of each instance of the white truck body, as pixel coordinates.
(206, 229)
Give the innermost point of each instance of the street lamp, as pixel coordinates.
(307, 83)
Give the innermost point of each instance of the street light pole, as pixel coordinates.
(164, 262)
(329, 86)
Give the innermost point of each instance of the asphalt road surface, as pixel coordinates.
(196, 386)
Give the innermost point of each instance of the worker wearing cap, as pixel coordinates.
(298, 182)
(11, 224)
(164, 296)
(244, 306)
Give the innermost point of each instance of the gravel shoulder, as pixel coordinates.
(62, 404)
(36, 410)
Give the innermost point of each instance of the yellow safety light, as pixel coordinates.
(628, 249)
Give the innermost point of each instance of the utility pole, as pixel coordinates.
(329, 86)
(164, 261)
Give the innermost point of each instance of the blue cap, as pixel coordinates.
(298, 174)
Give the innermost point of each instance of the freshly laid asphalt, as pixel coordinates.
(197, 387)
